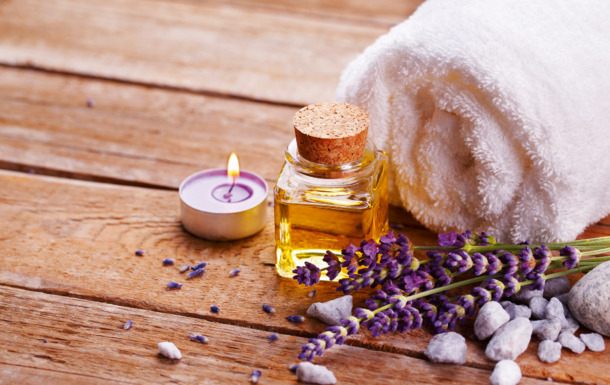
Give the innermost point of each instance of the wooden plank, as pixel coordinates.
(77, 238)
(133, 133)
(23, 375)
(87, 338)
(250, 52)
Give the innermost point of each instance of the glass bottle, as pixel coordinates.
(320, 207)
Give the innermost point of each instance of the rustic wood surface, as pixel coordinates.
(177, 86)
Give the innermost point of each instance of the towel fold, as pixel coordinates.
(495, 114)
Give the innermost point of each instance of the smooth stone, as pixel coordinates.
(169, 350)
(510, 340)
(506, 372)
(547, 329)
(332, 312)
(589, 299)
(525, 295)
(594, 342)
(570, 341)
(491, 316)
(447, 348)
(538, 307)
(549, 351)
(315, 374)
(516, 311)
(556, 286)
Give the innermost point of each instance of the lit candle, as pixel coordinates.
(222, 205)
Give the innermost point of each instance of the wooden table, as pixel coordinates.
(176, 86)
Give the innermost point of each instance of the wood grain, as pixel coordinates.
(77, 238)
(86, 338)
(250, 52)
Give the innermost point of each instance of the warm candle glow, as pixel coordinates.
(233, 167)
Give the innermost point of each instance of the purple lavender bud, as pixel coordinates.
(510, 263)
(467, 302)
(293, 368)
(543, 256)
(573, 256)
(447, 239)
(198, 266)
(539, 280)
(233, 272)
(297, 319)
(255, 376)
(168, 261)
(334, 268)
(389, 238)
(139, 253)
(511, 284)
(183, 268)
(214, 309)
(45, 341)
(493, 264)
(369, 251)
(273, 337)
(195, 273)
(459, 261)
(527, 261)
(199, 338)
(90, 103)
(312, 293)
(268, 309)
(495, 287)
(307, 275)
(128, 324)
(173, 285)
(480, 263)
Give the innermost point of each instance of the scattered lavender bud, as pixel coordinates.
(332, 312)
(273, 337)
(448, 348)
(268, 309)
(214, 309)
(297, 319)
(255, 375)
(168, 261)
(199, 338)
(316, 374)
(90, 103)
(195, 273)
(594, 341)
(549, 351)
(45, 341)
(173, 285)
(312, 293)
(292, 368)
(200, 265)
(169, 350)
(491, 317)
(139, 253)
(570, 341)
(506, 372)
(233, 272)
(183, 268)
(128, 324)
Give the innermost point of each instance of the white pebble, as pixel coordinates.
(506, 372)
(570, 341)
(516, 311)
(549, 351)
(571, 325)
(491, 317)
(525, 295)
(510, 340)
(556, 286)
(447, 348)
(548, 329)
(332, 312)
(169, 350)
(554, 310)
(315, 374)
(538, 307)
(594, 342)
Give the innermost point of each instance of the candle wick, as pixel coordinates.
(228, 194)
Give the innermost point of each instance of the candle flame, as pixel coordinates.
(233, 167)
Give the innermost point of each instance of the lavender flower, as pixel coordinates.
(90, 103)
(333, 335)
(543, 257)
(480, 263)
(214, 309)
(486, 240)
(573, 256)
(168, 261)
(173, 285)
(297, 319)
(528, 262)
(233, 272)
(293, 368)
(268, 309)
(447, 239)
(199, 338)
(139, 253)
(255, 376)
(183, 268)
(198, 266)
(273, 337)
(459, 261)
(195, 273)
(307, 275)
(334, 268)
(128, 324)
(510, 262)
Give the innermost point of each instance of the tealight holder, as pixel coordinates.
(223, 204)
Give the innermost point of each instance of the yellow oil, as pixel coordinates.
(309, 220)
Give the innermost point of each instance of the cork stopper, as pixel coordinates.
(331, 133)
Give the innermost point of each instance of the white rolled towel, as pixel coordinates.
(495, 114)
